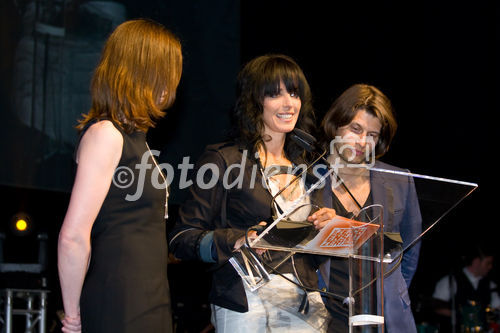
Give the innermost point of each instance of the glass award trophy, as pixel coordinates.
(370, 242)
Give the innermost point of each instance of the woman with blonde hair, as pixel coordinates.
(112, 245)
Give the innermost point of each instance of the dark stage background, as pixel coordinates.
(436, 61)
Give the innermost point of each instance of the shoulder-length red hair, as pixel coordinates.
(137, 76)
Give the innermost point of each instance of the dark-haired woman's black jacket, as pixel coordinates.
(228, 213)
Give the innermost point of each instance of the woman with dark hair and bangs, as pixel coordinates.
(273, 99)
(112, 249)
(262, 78)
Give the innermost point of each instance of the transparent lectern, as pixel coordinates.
(368, 243)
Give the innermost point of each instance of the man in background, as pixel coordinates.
(464, 298)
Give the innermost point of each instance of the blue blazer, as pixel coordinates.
(398, 196)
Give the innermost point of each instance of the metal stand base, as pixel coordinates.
(34, 308)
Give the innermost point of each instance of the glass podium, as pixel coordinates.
(373, 239)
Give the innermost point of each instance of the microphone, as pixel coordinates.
(304, 139)
(308, 143)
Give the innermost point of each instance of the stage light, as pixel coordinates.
(21, 224)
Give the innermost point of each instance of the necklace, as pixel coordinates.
(164, 181)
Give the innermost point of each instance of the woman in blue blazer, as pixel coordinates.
(358, 129)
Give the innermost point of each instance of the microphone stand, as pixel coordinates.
(304, 304)
(309, 147)
(307, 142)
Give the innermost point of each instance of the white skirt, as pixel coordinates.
(273, 308)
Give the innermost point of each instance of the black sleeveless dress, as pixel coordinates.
(126, 287)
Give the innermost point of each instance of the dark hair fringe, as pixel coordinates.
(260, 78)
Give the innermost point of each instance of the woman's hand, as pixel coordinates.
(71, 324)
(321, 217)
(251, 236)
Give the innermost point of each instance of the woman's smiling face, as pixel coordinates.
(280, 112)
